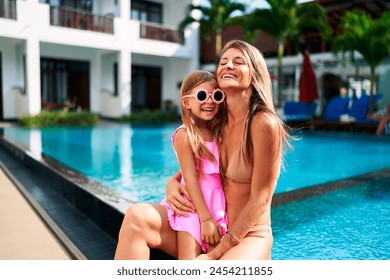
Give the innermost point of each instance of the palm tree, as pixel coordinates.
(214, 17)
(284, 20)
(370, 37)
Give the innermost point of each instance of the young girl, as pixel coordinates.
(197, 153)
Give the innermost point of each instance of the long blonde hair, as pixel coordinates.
(261, 98)
(199, 148)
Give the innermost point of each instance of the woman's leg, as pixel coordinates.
(145, 226)
(381, 125)
(188, 247)
(251, 248)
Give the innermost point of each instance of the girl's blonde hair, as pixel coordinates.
(193, 80)
(261, 98)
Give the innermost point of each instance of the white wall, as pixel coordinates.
(99, 49)
(11, 77)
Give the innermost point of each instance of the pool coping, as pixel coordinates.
(69, 246)
(102, 205)
(99, 203)
(320, 189)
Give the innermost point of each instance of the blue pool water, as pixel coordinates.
(348, 224)
(137, 161)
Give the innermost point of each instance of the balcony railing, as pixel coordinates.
(77, 19)
(8, 9)
(157, 32)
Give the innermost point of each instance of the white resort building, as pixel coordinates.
(111, 57)
(114, 57)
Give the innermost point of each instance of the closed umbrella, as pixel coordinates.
(308, 90)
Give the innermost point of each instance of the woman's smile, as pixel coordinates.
(229, 75)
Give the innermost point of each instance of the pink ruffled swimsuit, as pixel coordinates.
(211, 186)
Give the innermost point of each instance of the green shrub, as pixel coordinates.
(149, 116)
(59, 118)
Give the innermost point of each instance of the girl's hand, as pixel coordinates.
(179, 205)
(210, 232)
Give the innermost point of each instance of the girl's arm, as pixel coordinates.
(174, 190)
(267, 150)
(210, 233)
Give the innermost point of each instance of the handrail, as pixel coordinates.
(79, 19)
(160, 32)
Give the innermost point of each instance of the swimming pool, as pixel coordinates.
(351, 223)
(137, 160)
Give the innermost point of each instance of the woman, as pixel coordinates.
(251, 138)
(383, 117)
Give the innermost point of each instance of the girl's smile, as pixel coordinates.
(203, 101)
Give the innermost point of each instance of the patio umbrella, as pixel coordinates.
(308, 90)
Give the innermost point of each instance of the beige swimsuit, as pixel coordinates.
(240, 171)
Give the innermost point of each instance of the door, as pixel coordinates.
(146, 88)
(64, 83)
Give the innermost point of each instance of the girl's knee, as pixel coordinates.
(136, 218)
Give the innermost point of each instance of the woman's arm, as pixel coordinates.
(267, 151)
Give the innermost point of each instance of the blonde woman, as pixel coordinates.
(251, 141)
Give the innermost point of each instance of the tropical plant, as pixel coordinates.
(216, 16)
(150, 117)
(59, 118)
(286, 20)
(370, 37)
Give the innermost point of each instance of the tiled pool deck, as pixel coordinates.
(24, 235)
(81, 237)
(84, 216)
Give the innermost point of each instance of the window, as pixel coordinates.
(146, 11)
(115, 79)
(85, 5)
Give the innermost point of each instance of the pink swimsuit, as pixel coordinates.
(211, 186)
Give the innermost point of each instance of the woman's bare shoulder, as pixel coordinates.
(265, 122)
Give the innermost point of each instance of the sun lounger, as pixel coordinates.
(336, 108)
(294, 111)
(359, 112)
(299, 114)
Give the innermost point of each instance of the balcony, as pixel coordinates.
(78, 19)
(158, 32)
(8, 9)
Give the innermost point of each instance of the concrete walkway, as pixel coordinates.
(24, 236)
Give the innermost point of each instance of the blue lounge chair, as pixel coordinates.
(299, 111)
(359, 111)
(336, 107)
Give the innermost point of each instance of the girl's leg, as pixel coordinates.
(188, 247)
(251, 248)
(145, 226)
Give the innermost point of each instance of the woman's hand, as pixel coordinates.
(204, 257)
(179, 205)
